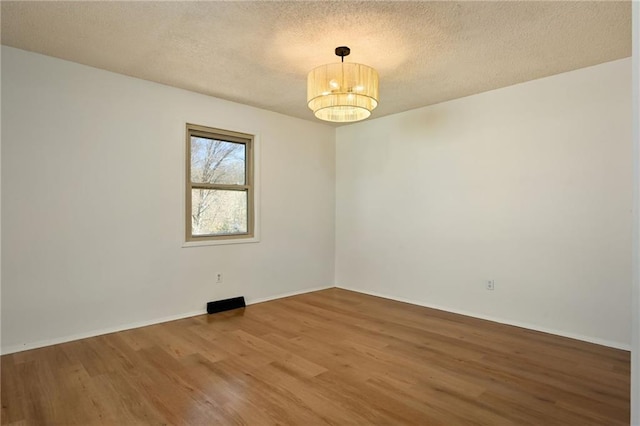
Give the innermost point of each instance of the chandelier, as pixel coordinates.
(342, 91)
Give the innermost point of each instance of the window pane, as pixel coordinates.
(218, 212)
(217, 161)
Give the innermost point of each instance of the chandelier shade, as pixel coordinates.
(342, 92)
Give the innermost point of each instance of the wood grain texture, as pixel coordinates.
(328, 357)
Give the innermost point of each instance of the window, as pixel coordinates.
(220, 187)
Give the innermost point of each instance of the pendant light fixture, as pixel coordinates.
(342, 91)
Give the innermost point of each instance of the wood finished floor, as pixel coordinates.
(329, 357)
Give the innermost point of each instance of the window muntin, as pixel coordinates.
(220, 190)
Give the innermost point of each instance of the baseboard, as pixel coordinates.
(289, 294)
(94, 333)
(602, 342)
(69, 338)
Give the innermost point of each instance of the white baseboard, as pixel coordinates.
(289, 294)
(94, 333)
(99, 332)
(603, 342)
(129, 326)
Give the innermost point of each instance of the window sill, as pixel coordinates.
(189, 244)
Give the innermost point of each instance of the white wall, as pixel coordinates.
(92, 203)
(0, 201)
(635, 329)
(528, 185)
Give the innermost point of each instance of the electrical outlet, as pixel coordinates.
(218, 278)
(490, 284)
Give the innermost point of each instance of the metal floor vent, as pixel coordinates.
(225, 305)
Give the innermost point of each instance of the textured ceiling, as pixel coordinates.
(259, 53)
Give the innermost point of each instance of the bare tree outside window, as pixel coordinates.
(220, 184)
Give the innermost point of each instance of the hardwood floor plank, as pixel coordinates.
(332, 357)
(12, 394)
(287, 360)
